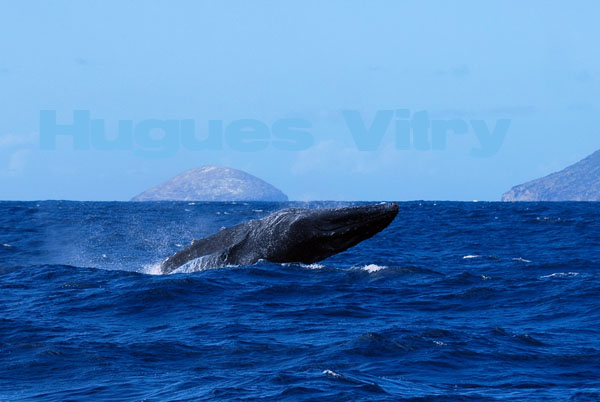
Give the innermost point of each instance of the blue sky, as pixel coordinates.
(534, 63)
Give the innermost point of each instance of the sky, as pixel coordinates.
(362, 84)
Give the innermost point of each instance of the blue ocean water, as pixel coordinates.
(452, 302)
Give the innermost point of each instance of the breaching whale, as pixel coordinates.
(288, 235)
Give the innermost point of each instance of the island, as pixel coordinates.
(578, 182)
(213, 183)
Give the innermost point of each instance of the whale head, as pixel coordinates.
(308, 236)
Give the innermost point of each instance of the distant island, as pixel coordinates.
(212, 183)
(578, 182)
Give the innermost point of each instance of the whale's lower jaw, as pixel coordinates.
(292, 235)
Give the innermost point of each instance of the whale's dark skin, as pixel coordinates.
(288, 235)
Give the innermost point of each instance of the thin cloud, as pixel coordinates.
(581, 107)
(9, 141)
(20, 148)
(500, 111)
(17, 163)
(583, 76)
(458, 71)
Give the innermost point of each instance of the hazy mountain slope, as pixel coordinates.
(212, 183)
(578, 182)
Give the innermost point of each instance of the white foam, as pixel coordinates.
(152, 269)
(520, 259)
(560, 275)
(486, 278)
(332, 373)
(467, 257)
(204, 263)
(198, 264)
(313, 266)
(7, 245)
(373, 268)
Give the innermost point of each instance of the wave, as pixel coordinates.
(364, 385)
(521, 259)
(373, 268)
(412, 311)
(560, 275)
(314, 265)
(152, 269)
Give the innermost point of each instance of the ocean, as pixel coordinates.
(473, 301)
